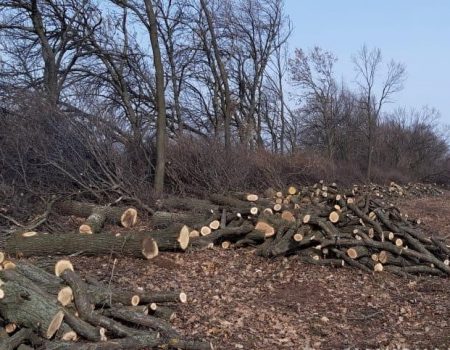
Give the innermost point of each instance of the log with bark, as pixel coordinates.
(96, 215)
(138, 244)
(29, 302)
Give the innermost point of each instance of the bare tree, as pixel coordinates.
(160, 99)
(43, 41)
(314, 74)
(367, 65)
(221, 73)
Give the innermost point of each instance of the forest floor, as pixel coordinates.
(238, 300)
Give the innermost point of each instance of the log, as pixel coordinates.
(133, 343)
(14, 341)
(163, 312)
(229, 202)
(224, 234)
(140, 319)
(173, 238)
(385, 257)
(357, 252)
(97, 215)
(186, 204)
(28, 308)
(249, 197)
(143, 341)
(137, 244)
(163, 219)
(84, 307)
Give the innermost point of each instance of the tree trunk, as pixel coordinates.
(223, 76)
(160, 100)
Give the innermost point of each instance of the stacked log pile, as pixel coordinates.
(394, 190)
(321, 224)
(63, 311)
(325, 226)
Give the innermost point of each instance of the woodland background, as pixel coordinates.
(86, 109)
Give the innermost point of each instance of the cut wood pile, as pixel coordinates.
(42, 310)
(394, 190)
(321, 224)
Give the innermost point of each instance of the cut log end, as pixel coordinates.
(65, 296)
(306, 218)
(61, 266)
(54, 325)
(277, 207)
(357, 252)
(70, 336)
(9, 265)
(135, 300)
(29, 234)
(334, 217)
(102, 333)
(149, 248)
(254, 210)
(129, 217)
(378, 267)
(205, 231)
(86, 229)
(226, 244)
(264, 227)
(214, 225)
(10, 328)
(298, 237)
(2, 293)
(183, 237)
(252, 197)
(398, 242)
(2, 257)
(292, 190)
(288, 216)
(152, 307)
(183, 297)
(268, 211)
(194, 233)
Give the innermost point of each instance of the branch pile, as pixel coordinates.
(394, 190)
(64, 311)
(325, 226)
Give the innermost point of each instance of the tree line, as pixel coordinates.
(110, 95)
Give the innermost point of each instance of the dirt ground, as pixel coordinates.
(240, 301)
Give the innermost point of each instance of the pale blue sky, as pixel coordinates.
(414, 32)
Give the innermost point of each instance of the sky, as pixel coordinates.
(413, 32)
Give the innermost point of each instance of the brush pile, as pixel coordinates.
(64, 311)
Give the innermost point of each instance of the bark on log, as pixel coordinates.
(10, 343)
(97, 215)
(186, 204)
(84, 307)
(137, 244)
(220, 235)
(163, 219)
(26, 307)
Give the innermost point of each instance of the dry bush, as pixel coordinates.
(203, 166)
(47, 152)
